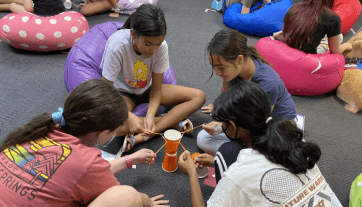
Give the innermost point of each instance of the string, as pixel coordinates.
(192, 128)
(182, 146)
(181, 132)
(154, 133)
(149, 161)
(160, 148)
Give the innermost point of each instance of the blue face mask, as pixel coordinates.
(106, 144)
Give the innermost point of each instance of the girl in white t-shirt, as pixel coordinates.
(276, 168)
(135, 58)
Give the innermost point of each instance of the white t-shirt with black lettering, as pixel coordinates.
(255, 181)
(130, 72)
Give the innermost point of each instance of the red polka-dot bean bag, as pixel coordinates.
(349, 11)
(303, 74)
(30, 32)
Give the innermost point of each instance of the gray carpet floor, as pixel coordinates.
(33, 83)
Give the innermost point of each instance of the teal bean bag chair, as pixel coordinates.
(262, 22)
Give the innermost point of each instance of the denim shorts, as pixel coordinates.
(137, 99)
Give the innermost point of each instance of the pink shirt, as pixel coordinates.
(57, 170)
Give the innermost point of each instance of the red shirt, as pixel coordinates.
(57, 170)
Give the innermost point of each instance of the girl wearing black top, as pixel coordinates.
(307, 35)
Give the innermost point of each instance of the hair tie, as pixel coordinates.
(268, 119)
(58, 117)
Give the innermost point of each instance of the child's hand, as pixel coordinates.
(213, 128)
(204, 160)
(150, 126)
(156, 202)
(207, 109)
(143, 156)
(135, 124)
(186, 164)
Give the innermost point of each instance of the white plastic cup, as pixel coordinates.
(68, 4)
(201, 173)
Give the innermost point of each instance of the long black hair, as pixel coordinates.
(148, 20)
(229, 44)
(94, 105)
(279, 140)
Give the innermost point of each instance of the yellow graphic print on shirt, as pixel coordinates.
(140, 75)
(28, 164)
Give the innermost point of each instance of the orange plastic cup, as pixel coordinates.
(172, 139)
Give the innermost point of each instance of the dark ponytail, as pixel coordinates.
(148, 20)
(94, 105)
(39, 126)
(282, 144)
(279, 140)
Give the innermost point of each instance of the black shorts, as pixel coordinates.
(137, 99)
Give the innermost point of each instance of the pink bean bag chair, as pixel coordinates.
(349, 11)
(303, 74)
(30, 32)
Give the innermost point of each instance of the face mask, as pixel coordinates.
(224, 130)
(106, 144)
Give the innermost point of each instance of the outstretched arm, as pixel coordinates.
(187, 166)
(154, 102)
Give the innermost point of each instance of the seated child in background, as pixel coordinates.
(307, 35)
(91, 7)
(247, 4)
(38, 7)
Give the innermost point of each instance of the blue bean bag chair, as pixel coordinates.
(262, 22)
(84, 59)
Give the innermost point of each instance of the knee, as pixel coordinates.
(202, 139)
(200, 96)
(85, 12)
(13, 7)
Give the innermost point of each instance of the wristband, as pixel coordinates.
(148, 116)
(128, 161)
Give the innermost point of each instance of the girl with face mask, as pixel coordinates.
(51, 160)
(273, 164)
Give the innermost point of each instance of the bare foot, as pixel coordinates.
(114, 15)
(185, 127)
(81, 5)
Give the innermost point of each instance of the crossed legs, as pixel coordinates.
(185, 100)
